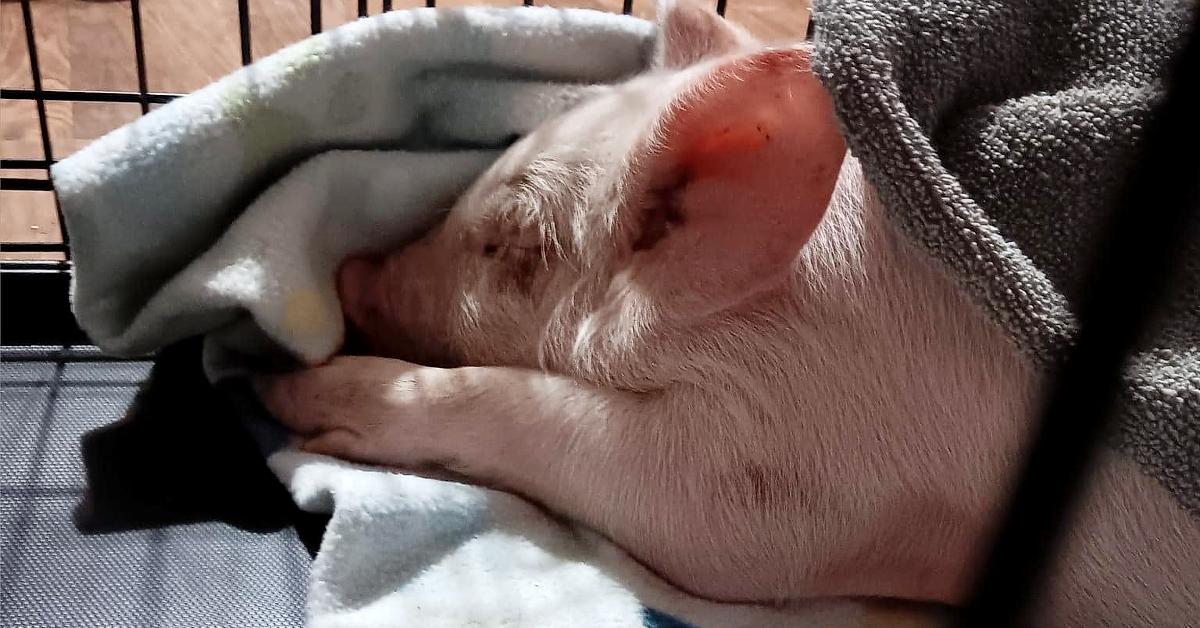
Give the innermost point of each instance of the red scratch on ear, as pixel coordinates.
(709, 155)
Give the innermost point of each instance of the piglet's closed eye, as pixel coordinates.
(748, 153)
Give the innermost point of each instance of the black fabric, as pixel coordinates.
(167, 515)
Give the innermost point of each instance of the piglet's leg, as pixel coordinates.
(653, 479)
(574, 447)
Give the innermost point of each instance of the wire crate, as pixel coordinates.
(36, 270)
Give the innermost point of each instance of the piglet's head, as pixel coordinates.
(652, 208)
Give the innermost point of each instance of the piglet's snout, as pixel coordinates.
(357, 286)
(359, 289)
(379, 307)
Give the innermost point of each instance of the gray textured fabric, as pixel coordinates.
(201, 574)
(996, 132)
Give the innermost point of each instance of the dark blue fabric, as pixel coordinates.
(657, 619)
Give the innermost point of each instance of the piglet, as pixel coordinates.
(678, 314)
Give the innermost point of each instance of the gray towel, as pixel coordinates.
(997, 132)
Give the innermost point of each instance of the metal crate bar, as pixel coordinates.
(139, 53)
(244, 30)
(34, 247)
(387, 5)
(35, 70)
(40, 266)
(721, 7)
(314, 16)
(68, 95)
(26, 164)
(362, 8)
(28, 185)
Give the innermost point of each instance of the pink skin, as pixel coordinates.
(678, 315)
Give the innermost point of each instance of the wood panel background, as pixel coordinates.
(88, 44)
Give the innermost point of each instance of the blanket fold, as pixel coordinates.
(144, 202)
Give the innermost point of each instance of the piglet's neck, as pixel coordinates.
(897, 342)
(871, 351)
(881, 326)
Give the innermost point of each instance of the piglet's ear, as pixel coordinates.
(688, 33)
(736, 178)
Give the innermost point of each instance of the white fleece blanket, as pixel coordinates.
(224, 213)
